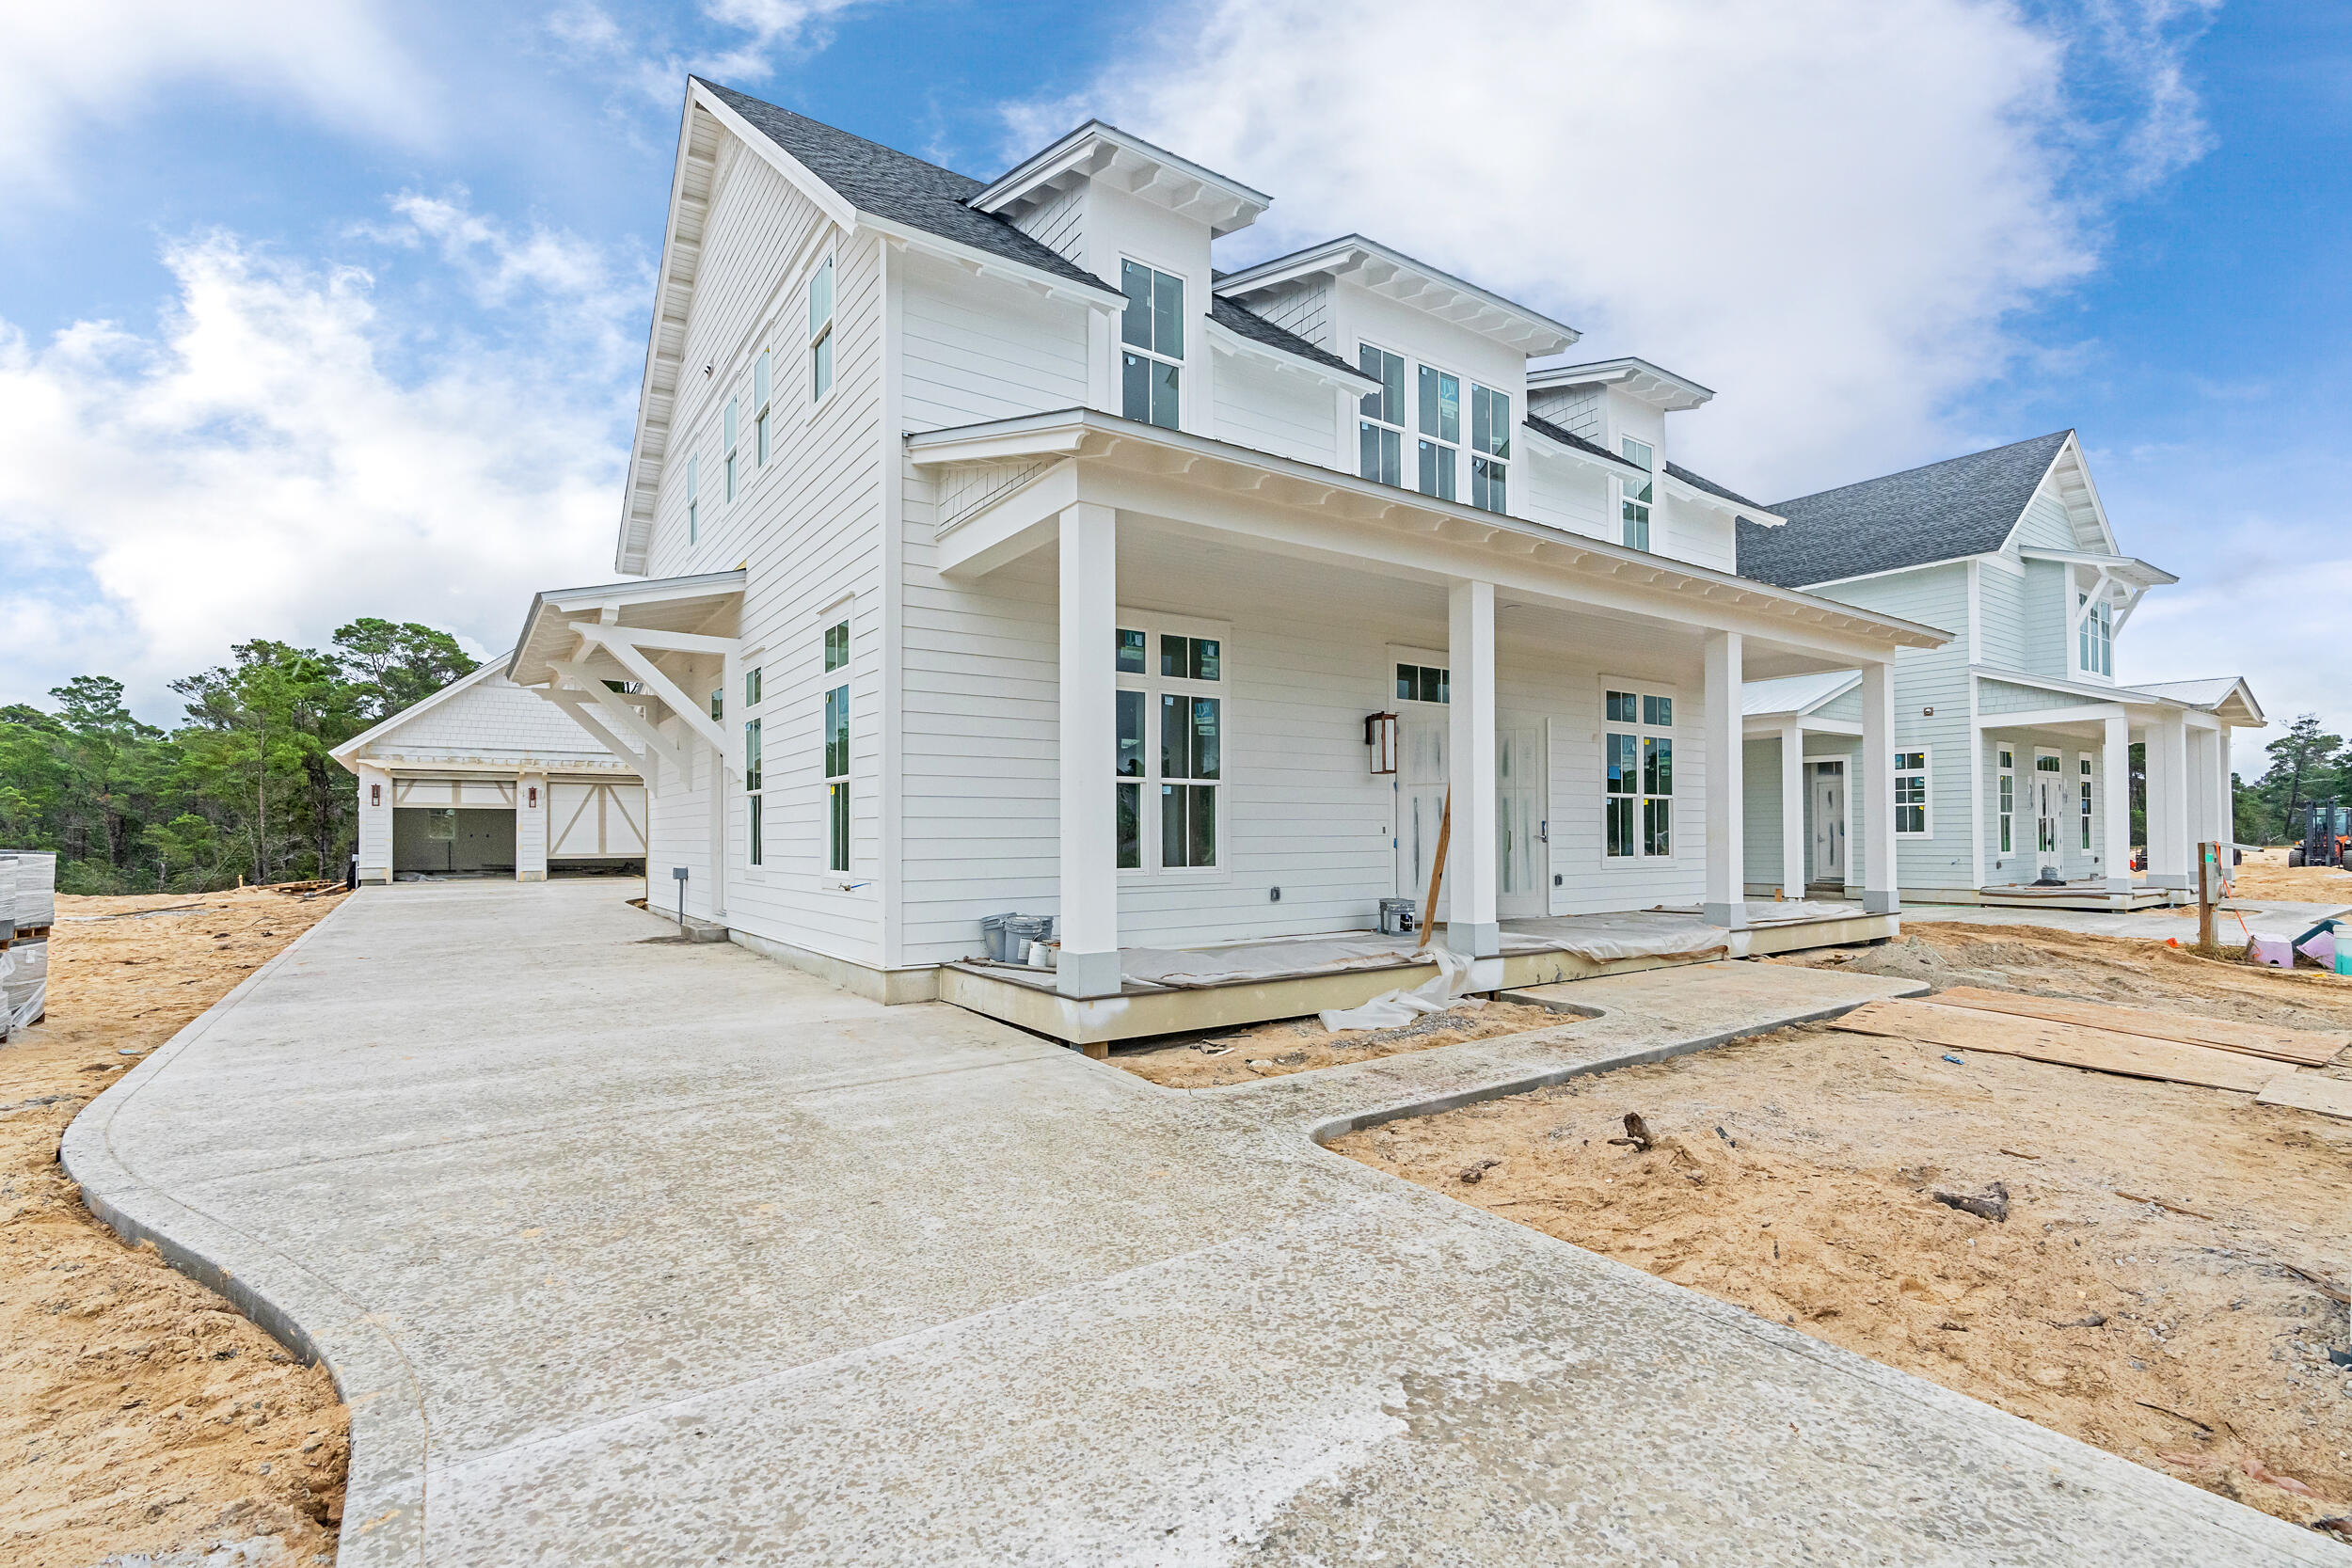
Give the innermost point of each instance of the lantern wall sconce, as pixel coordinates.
(1380, 736)
(534, 796)
(376, 795)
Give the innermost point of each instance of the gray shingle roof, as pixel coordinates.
(1567, 438)
(1238, 318)
(893, 185)
(1961, 506)
(1678, 471)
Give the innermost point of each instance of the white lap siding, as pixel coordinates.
(1272, 410)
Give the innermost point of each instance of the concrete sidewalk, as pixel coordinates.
(639, 1253)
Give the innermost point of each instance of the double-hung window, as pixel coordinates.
(821, 332)
(2083, 795)
(1170, 747)
(836, 738)
(755, 778)
(1638, 749)
(694, 502)
(1380, 434)
(729, 432)
(1490, 447)
(2096, 639)
(2009, 797)
(1440, 423)
(1152, 339)
(760, 389)
(1911, 793)
(1636, 494)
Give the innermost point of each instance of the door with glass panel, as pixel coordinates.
(1829, 822)
(1420, 779)
(1521, 862)
(2049, 802)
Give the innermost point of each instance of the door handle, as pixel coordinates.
(1543, 831)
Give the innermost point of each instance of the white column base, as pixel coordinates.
(1085, 974)
(1474, 939)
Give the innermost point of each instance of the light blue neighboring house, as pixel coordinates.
(2012, 740)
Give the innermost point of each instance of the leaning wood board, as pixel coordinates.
(2309, 1091)
(2067, 1044)
(2308, 1047)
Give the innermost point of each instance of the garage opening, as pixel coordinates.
(453, 838)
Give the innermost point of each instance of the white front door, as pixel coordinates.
(1420, 775)
(2049, 805)
(1829, 822)
(1521, 859)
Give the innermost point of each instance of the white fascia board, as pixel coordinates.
(567, 602)
(2131, 696)
(827, 201)
(1684, 490)
(985, 263)
(1768, 726)
(2073, 448)
(1347, 253)
(1600, 460)
(2126, 568)
(623, 560)
(1226, 341)
(1056, 432)
(2051, 718)
(1898, 571)
(1091, 148)
(349, 750)
(1640, 378)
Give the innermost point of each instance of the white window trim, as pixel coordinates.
(1195, 327)
(1624, 498)
(2004, 770)
(1432, 658)
(2087, 799)
(1408, 381)
(1681, 833)
(730, 443)
(832, 330)
(1151, 622)
(842, 677)
(1926, 790)
(763, 428)
(1453, 448)
(1515, 410)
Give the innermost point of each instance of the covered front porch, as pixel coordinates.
(1284, 695)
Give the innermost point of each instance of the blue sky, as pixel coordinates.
(314, 311)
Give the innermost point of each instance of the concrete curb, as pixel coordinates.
(384, 1497)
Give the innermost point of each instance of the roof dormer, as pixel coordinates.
(1637, 379)
(1110, 157)
(1372, 266)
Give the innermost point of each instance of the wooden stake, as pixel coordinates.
(1436, 871)
(2208, 871)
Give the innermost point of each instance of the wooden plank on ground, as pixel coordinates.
(2309, 1047)
(2309, 1091)
(2066, 1044)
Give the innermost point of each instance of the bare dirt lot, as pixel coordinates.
(2167, 1284)
(1301, 1044)
(138, 1411)
(2266, 874)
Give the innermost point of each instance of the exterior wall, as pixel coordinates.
(531, 828)
(1994, 697)
(1568, 495)
(1934, 679)
(2024, 861)
(1835, 748)
(1267, 409)
(1303, 308)
(1359, 316)
(1579, 410)
(375, 824)
(2001, 613)
(2049, 650)
(1761, 813)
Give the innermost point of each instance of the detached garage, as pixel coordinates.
(484, 779)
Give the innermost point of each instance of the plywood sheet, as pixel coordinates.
(2310, 1048)
(2067, 1044)
(2309, 1091)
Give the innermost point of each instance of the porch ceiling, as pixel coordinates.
(1004, 485)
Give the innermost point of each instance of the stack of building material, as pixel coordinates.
(29, 907)
(2221, 1053)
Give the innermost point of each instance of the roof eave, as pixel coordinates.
(1539, 334)
(1094, 147)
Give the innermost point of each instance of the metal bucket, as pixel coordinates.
(1397, 916)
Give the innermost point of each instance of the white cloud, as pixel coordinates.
(284, 454)
(1824, 208)
(64, 65)
(643, 61)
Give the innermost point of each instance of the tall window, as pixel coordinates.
(1638, 794)
(693, 503)
(754, 782)
(2045, 807)
(1152, 334)
(1171, 685)
(2095, 641)
(1440, 431)
(1636, 493)
(1490, 445)
(760, 389)
(821, 332)
(837, 749)
(2083, 792)
(1380, 435)
(730, 448)
(2008, 798)
(1911, 793)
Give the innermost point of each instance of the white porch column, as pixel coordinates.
(375, 825)
(2115, 805)
(1088, 965)
(531, 828)
(1793, 846)
(2224, 829)
(1472, 928)
(2168, 801)
(1727, 855)
(1879, 879)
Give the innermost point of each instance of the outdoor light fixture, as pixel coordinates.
(376, 795)
(534, 796)
(1380, 734)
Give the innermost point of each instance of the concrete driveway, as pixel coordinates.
(632, 1253)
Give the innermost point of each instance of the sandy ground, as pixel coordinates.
(2266, 874)
(138, 1411)
(1300, 1044)
(2143, 1293)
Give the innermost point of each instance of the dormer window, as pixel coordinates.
(1490, 445)
(1634, 503)
(2094, 641)
(1440, 420)
(1152, 333)
(1381, 436)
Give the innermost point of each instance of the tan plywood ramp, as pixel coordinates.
(2067, 1044)
(2308, 1047)
(2309, 1091)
